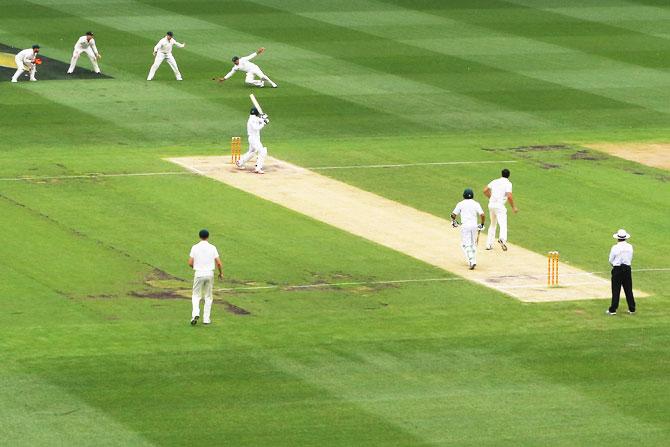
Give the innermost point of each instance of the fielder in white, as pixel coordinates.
(469, 210)
(499, 192)
(252, 70)
(85, 44)
(163, 51)
(202, 259)
(255, 123)
(26, 61)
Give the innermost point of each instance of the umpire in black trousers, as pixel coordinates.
(621, 257)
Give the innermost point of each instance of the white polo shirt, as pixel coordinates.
(204, 254)
(245, 65)
(469, 209)
(621, 253)
(499, 189)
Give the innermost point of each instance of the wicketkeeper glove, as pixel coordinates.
(480, 227)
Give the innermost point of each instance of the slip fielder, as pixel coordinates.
(163, 51)
(85, 44)
(26, 61)
(469, 210)
(255, 123)
(252, 70)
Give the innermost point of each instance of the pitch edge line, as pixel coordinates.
(409, 165)
(94, 176)
(401, 281)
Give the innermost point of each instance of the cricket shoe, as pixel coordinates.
(259, 171)
(239, 164)
(502, 244)
(33, 80)
(207, 322)
(489, 247)
(262, 84)
(631, 312)
(194, 320)
(472, 266)
(607, 312)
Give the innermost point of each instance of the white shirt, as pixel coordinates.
(25, 58)
(165, 46)
(83, 44)
(621, 253)
(469, 209)
(204, 254)
(254, 126)
(499, 189)
(245, 65)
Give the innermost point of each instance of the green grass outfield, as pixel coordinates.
(95, 346)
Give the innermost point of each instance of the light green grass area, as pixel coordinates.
(95, 343)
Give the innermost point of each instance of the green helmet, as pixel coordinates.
(468, 194)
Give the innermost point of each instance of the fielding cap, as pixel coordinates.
(204, 234)
(36, 47)
(89, 33)
(170, 33)
(235, 58)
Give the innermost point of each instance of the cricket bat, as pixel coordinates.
(254, 101)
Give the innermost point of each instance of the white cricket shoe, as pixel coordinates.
(259, 171)
(14, 80)
(239, 164)
(262, 84)
(489, 247)
(33, 80)
(472, 266)
(274, 85)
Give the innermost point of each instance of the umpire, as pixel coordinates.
(621, 257)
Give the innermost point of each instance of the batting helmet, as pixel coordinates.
(254, 111)
(468, 194)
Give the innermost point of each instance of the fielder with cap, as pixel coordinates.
(202, 259)
(469, 210)
(255, 123)
(499, 192)
(621, 258)
(252, 70)
(163, 51)
(85, 44)
(26, 60)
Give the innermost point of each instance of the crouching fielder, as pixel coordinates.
(255, 123)
(469, 209)
(252, 70)
(25, 61)
(85, 44)
(163, 51)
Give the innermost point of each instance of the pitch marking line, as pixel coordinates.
(195, 171)
(407, 281)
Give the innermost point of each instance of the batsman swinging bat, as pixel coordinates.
(255, 103)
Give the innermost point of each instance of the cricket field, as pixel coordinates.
(320, 336)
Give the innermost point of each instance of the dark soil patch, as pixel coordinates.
(160, 275)
(159, 295)
(588, 155)
(534, 148)
(233, 309)
(549, 166)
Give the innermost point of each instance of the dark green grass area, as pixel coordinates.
(95, 344)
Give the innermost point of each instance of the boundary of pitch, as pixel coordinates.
(404, 281)
(94, 175)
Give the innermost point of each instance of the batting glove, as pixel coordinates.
(454, 223)
(480, 227)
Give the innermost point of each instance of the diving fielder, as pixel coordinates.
(163, 51)
(499, 192)
(85, 44)
(252, 70)
(469, 210)
(255, 123)
(25, 61)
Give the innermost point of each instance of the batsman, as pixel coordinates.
(257, 120)
(469, 209)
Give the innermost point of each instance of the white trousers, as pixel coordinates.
(202, 286)
(469, 243)
(160, 57)
(498, 216)
(255, 147)
(75, 57)
(19, 71)
(251, 78)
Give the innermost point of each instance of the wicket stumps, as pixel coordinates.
(235, 149)
(552, 268)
